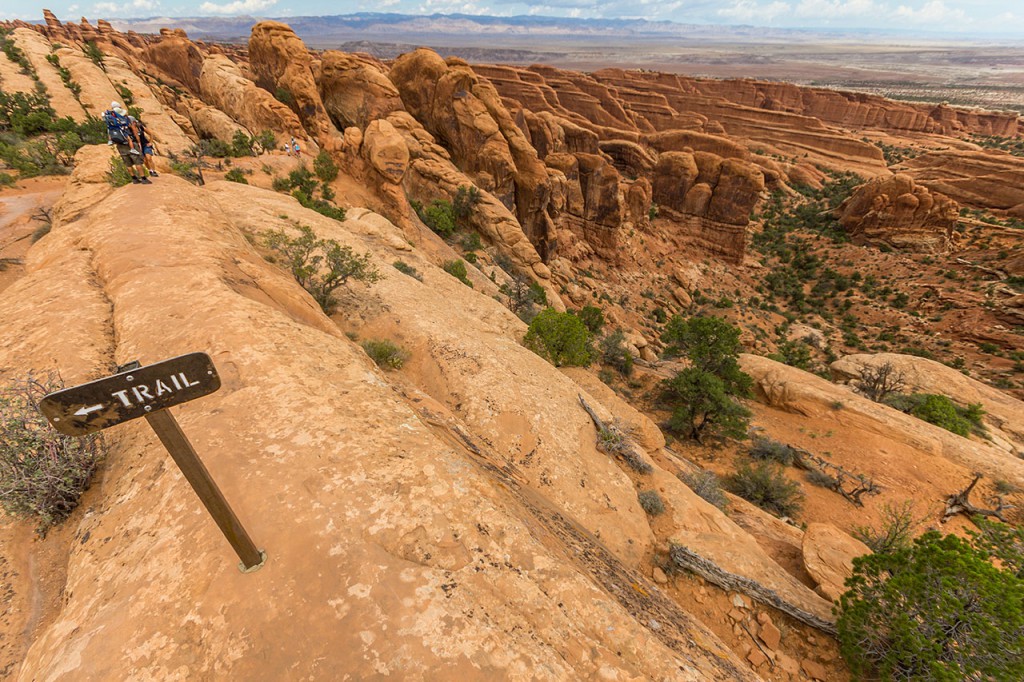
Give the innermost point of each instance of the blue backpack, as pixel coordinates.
(118, 129)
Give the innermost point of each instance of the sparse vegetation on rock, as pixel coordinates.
(321, 266)
(457, 269)
(560, 338)
(651, 502)
(407, 269)
(941, 411)
(707, 486)
(385, 353)
(43, 473)
(766, 485)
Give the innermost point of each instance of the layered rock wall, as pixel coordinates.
(901, 213)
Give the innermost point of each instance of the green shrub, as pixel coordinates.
(793, 353)
(385, 353)
(1000, 541)
(216, 148)
(14, 53)
(937, 610)
(43, 473)
(712, 345)
(7, 180)
(26, 114)
(614, 353)
(457, 269)
(472, 242)
(321, 266)
(324, 167)
(703, 406)
(118, 175)
(707, 486)
(125, 94)
(439, 216)
(324, 208)
(766, 486)
(285, 97)
(651, 502)
(941, 411)
(407, 269)
(96, 55)
(466, 199)
(241, 145)
(266, 141)
(304, 187)
(236, 175)
(592, 317)
(772, 450)
(559, 338)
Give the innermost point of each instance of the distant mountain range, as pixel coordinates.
(486, 31)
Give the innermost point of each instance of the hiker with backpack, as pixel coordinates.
(122, 133)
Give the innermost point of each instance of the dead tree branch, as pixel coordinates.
(848, 484)
(612, 441)
(714, 574)
(960, 503)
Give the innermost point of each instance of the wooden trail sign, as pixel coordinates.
(131, 394)
(148, 392)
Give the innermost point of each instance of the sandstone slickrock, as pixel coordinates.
(983, 179)
(921, 375)
(178, 57)
(434, 570)
(97, 91)
(354, 90)
(828, 555)
(222, 85)
(793, 390)
(36, 47)
(901, 213)
(280, 60)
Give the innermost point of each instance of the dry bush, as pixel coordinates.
(880, 382)
(43, 473)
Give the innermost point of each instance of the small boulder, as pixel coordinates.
(828, 555)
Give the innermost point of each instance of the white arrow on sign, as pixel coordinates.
(83, 411)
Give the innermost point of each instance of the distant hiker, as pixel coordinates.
(295, 146)
(147, 141)
(292, 144)
(121, 133)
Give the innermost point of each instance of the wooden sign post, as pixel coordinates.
(148, 392)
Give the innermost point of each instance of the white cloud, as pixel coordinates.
(237, 7)
(750, 10)
(933, 11)
(835, 9)
(134, 7)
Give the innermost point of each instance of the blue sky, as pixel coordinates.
(994, 17)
